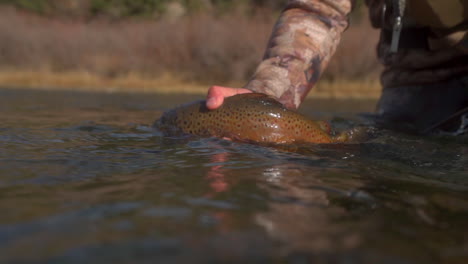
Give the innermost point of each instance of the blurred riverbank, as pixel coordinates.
(133, 83)
(183, 52)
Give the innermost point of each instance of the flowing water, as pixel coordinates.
(84, 178)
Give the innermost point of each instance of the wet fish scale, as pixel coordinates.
(247, 117)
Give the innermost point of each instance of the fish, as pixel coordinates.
(250, 117)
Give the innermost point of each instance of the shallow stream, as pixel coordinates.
(84, 178)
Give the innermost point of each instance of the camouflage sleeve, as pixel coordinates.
(303, 40)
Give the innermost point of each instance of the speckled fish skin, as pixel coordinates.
(248, 117)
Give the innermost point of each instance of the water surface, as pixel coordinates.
(85, 179)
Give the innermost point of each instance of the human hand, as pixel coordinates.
(216, 95)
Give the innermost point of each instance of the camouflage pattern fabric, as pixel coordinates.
(447, 39)
(308, 32)
(300, 47)
(442, 16)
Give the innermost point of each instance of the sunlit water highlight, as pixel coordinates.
(84, 178)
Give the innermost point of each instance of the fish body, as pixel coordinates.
(250, 117)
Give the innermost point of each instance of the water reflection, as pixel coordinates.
(344, 205)
(215, 175)
(298, 212)
(93, 183)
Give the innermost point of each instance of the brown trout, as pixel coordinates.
(250, 117)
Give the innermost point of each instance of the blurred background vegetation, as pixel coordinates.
(155, 43)
(134, 8)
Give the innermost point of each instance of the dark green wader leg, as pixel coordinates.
(424, 108)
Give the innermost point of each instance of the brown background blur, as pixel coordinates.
(162, 45)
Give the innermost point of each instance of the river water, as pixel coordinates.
(84, 178)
